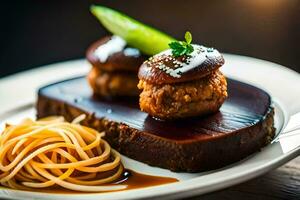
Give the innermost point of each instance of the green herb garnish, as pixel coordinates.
(180, 48)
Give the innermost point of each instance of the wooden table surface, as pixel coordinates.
(281, 183)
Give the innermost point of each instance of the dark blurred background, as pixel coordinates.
(35, 32)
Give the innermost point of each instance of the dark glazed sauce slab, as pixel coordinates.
(246, 106)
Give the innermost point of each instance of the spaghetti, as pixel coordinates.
(51, 152)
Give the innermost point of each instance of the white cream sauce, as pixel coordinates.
(114, 45)
(131, 52)
(196, 58)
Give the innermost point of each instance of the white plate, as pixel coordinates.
(18, 92)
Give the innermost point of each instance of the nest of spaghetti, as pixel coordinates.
(51, 152)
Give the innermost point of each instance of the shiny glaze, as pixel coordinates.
(111, 53)
(245, 106)
(132, 179)
(164, 68)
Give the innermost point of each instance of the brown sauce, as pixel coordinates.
(133, 179)
(136, 180)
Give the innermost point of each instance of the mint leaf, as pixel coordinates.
(175, 45)
(180, 48)
(188, 37)
(189, 49)
(177, 49)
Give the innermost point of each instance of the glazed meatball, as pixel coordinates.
(113, 83)
(171, 101)
(185, 86)
(114, 67)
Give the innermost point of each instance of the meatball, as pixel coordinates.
(125, 59)
(113, 83)
(179, 100)
(182, 86)
(114, 67)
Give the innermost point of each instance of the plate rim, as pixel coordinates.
(193, 190)
(193, 187)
